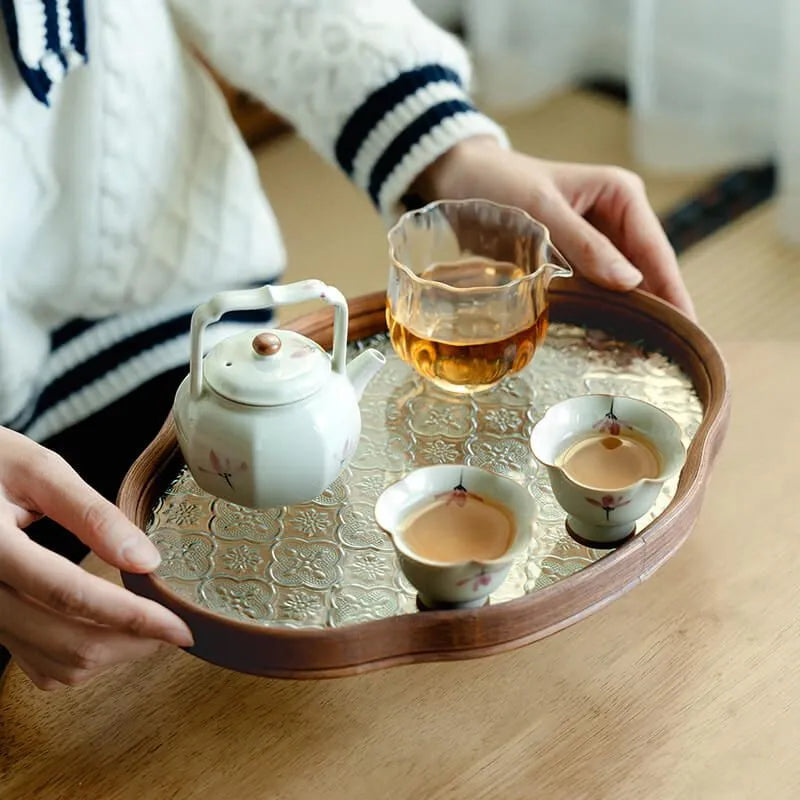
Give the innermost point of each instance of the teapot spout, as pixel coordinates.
(363, 368)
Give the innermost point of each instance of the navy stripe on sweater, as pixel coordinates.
(118, 353)
(70, 17)
(78, 20)
(73, 328)
(381, 102)
(69, 330)
(111, 355)
(36, 79)
(407, 138)
(52, 36)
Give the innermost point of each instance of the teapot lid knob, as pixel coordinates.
(266, 367)
(266, 344)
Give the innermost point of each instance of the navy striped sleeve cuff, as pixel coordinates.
(47, 39)
(93, 363)
(404, 126)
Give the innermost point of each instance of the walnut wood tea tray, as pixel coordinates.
(314, 591)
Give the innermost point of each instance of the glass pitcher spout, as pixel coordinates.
(556, 265)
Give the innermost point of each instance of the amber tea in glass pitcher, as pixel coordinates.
(467, 296)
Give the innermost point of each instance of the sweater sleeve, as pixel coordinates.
(372, 85)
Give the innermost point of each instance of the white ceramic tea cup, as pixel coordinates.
(462, 584)
(605, 517)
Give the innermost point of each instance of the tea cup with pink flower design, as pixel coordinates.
(607, 457)
(456, 530)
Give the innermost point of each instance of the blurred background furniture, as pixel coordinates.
(712, 84)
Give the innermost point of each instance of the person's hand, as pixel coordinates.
(61, 624)
(599, 216)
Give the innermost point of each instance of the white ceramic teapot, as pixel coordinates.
(268, 418)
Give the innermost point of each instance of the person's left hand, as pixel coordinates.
(599, 216)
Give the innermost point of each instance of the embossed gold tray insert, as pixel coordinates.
(315, 590)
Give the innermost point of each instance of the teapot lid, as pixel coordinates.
(266, 368)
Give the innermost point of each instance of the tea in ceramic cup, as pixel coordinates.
(607, 457)
(456, 531)
(467, 295)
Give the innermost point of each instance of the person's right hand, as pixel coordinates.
(599, 216)
(61, 624)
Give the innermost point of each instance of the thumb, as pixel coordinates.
(590, 252)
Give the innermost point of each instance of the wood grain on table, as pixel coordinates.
(685, 688)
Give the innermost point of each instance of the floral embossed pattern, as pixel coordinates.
(544, 570)
(336, 494)
(185, 513)
(240, 559)
(296, 562)
(504, 420)
(245, 599)
(185, 486)
(235, 523)
(371, 484)
(360, 530)
(548, 509)
(438, 451)
(183, 555)
(327, 563)
(310, 522)
(501, 455)
(357, 604)
(370, 566)
(386, 452)
(300, 605)
(428, 417)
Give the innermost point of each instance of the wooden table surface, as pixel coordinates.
(687, 687)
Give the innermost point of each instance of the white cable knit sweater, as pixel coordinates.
(132, 198)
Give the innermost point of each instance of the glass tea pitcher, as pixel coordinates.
(467, 297)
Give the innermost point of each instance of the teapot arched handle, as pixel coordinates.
(266, 297)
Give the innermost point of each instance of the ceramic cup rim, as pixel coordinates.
(664, 475)
(521, 536)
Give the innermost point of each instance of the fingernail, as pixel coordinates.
(182, 636)
(625, 274)
(141, 554)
